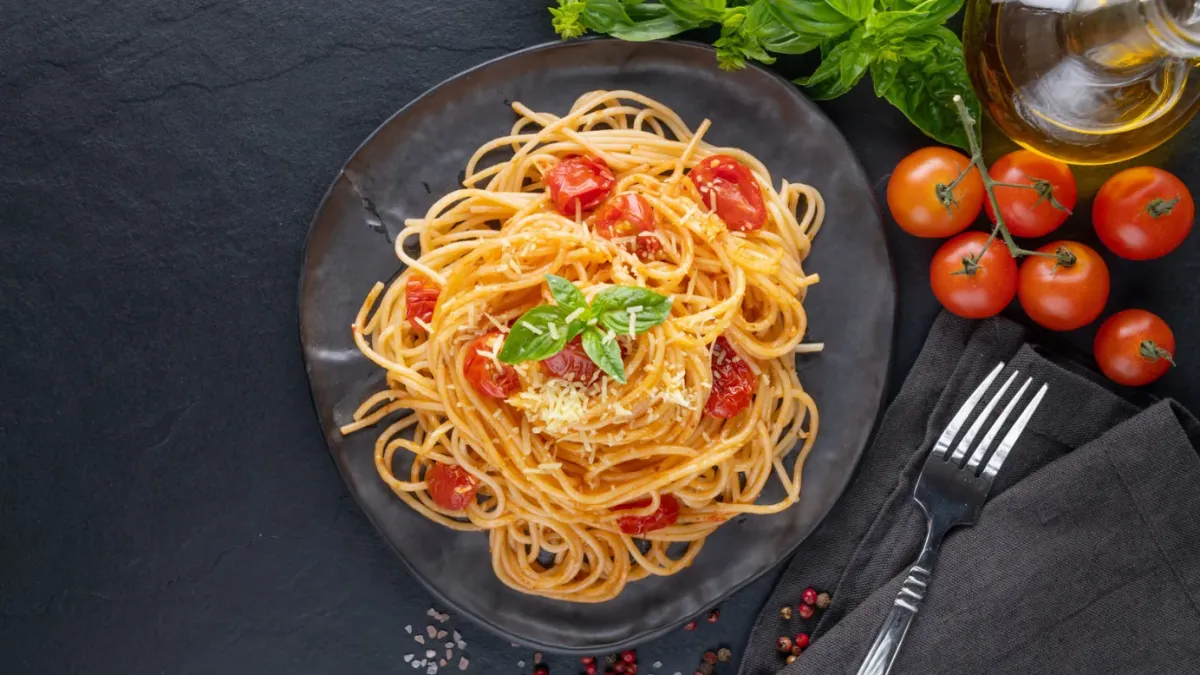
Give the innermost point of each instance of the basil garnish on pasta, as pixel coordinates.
(544, 330)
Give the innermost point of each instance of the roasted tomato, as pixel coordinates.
(579, 182)
(665, 516)
(733, 382)
(728, 184)
(572, 363)
(488, 376)
(450, 486)
(420, 299)
(629, 215)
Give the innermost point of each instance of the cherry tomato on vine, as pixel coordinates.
(664, 516)
(487, 376)
(1143, 213)
(629, 215)
(450, 486)
(921, 200)
(1066, 289)
(1134, 347)
(579, 181)
(731, 186)
(971, 284)
(1038, 210)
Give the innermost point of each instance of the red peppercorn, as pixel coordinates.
(801, 640)
(714, 615)
(590, 669)
(698, 673)
(710, 657)
(809, 596)
(620, 667)
(805, 611)
(783, 644)
(631, 670)
(587, 659)
(541, 669)
(691, 625)
(795, 651)
(629, 656)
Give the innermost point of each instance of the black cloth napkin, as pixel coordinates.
(1085, 560)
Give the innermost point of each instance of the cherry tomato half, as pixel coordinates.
(572, 363)
(420, 299)
(971, 285)
(1032, 213)
(487, 376)
(919, 198)
(450, 486)
(1067, 291)
(726, 182)
(579, 181)
(629, 215)
(1143, 213)
(733, 382)
(1134, 347)
(664, 516)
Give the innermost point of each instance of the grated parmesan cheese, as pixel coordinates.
(553, 330)
(574, 315)
(420, 322)
(810, 347)
(534, 329)
(554, 405)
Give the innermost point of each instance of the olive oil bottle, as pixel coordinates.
(1085, 81)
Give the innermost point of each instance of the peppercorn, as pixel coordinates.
(710, 657)
(706, 669)
(611, 660)
(691, 625)
(631, 669)
(785, 612)
(783, 644)
(714, 615)
(587, 659)
(809, 596)
(620, 668)
(629, 656)
(823, 600)
(801, 640)
(724, 655)
(541, 669)
(795, 650)
(537, 657)
(806, 611)
(590, 669)
(790, 660)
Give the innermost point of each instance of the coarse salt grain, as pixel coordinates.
(429, 654)
(658, 664)
(442, 663)
(449, 645)
(431, 612)
(449, 654)
(431, 631)
(457, 637)
(408, 658)
(408, 629)
(431, 670)
(520, 664)
(463, 663)
(420, 639)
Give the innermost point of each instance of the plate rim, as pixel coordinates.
(860, 448)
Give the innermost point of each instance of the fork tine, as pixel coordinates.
(1010, 439)
(981, 450)
(943, 442)
(965, 444)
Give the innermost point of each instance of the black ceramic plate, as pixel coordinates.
(417, 156)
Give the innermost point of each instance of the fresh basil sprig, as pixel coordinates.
(544, 330)
(915, 63)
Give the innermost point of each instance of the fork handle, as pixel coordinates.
(904, 609)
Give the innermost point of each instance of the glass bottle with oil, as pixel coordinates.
(1085, 81)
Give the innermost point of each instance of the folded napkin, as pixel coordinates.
(1085, 560)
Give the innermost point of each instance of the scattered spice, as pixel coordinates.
(806, 611)
(691, 625)
(724, 655)
(796, 650)
(714, 615)
(537, 657)
(590, 669)
(587, 659)
(541, 669)
(431, 631)
(463, 663)
(658, 664)
(710, 657)
(809, 596)
(706, 669)
(420, 639)
(629, 656)
(790, 660)
(620, 668)
(802, 640)
(785, 613)
(783, 644)
(610, 659)
(823, 600)
(408, 629)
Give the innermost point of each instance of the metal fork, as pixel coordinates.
(951, 493)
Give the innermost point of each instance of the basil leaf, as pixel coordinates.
(566, 294)
(611, 306)
(812, 20)
(842, 68)
(530, 338)
(918, 20)
(740, 41)
(696, 11)
(925, 85)
(604, 353)
(602, 16)
(651, 29)
(938, 11)
(883, 73)
(854, 9)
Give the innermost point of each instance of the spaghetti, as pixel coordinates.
(585, 483)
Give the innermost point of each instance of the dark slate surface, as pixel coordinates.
(166, 501)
